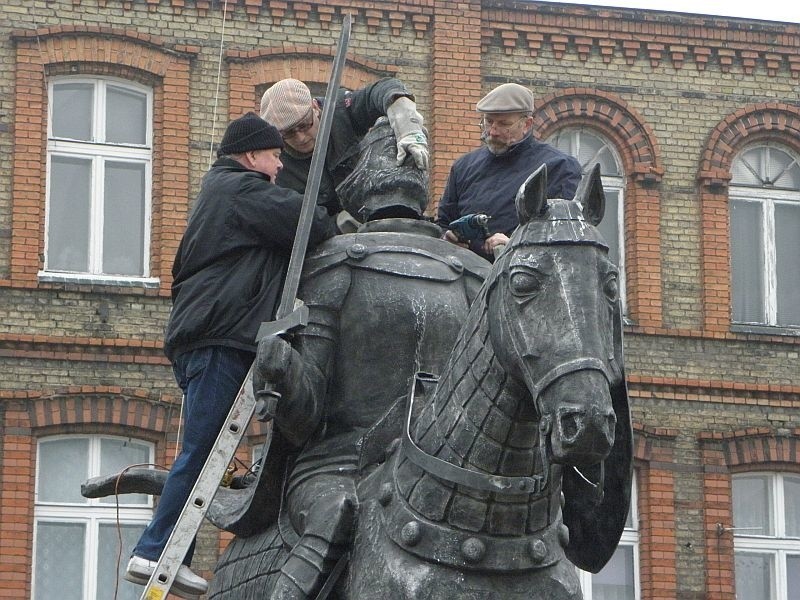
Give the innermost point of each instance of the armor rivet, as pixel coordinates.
(563, 535)
(357, 251)
(473, 549)
(456, 264)
(385, 494)
(411, 534)
(537, 550)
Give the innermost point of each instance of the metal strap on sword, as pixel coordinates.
(290, 315)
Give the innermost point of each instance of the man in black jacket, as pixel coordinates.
(486, 180)
(289, 106)
(227, 280)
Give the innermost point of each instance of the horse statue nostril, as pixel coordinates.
(571, 425)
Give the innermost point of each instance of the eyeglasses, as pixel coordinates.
(306, 124)
(502, 128)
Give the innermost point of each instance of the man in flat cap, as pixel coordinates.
(227, 279)
(486, 180)
(289, 106)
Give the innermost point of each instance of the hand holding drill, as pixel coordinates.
(474, 227)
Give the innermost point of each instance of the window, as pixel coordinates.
(99, 160)
(619, 579)
(76, 540)
(766, 534)
(765, 237)
(590, 149)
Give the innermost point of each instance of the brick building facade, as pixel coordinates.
(677, 100)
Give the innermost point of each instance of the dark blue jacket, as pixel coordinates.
(482, 182)
(230, 266)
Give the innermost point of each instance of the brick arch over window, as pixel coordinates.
(99, 51)
(311, 64)
(773, 121)
(111, 407)
(636, 144)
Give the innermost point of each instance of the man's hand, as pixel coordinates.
(494, 244)
(407, 123)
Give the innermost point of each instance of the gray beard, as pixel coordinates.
(505, 148)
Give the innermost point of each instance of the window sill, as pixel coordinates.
(87, 279)
(764, 329)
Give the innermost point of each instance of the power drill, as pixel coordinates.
(470, 228)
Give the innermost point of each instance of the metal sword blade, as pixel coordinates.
(300, 246)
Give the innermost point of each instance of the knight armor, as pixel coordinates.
(384, 302)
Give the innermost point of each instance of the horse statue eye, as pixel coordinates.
(611, 288)
(525, 283)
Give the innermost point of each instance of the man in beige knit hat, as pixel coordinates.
(486, 180)
(290, 106)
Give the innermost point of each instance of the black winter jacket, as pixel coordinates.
(354, 114)
(229, 270)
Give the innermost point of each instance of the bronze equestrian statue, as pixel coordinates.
(440, 438)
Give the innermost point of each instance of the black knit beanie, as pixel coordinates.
(249, 132)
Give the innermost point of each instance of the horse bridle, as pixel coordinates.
(487, 482)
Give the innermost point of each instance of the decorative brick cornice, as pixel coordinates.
(617, 34)
(372, 14)
(613, 117)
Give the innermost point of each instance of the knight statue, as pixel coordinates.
(384, 302)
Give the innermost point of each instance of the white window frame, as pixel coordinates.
(768, 198)
(99, 152)
(629, 538)
(615, 182)
(778, 546)
(91, 513)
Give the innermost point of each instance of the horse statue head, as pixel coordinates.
(556, 328)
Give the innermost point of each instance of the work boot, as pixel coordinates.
(185, 585)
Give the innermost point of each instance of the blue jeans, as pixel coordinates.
(210, 378)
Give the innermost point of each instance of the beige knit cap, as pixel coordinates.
(505, 98)
(285, 103)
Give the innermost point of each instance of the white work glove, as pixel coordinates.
(407, 125)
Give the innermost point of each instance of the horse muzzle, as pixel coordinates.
(577, 413)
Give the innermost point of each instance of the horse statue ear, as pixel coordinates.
(531, 198)
(591, 195)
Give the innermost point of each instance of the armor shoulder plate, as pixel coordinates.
(401, 254)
